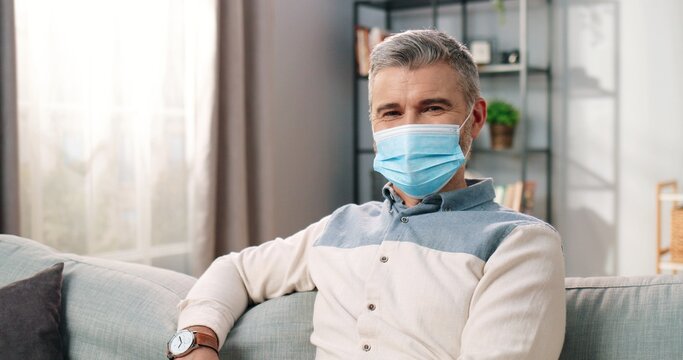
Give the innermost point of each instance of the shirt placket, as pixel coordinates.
(375, 286)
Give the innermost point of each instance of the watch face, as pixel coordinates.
(181, 342)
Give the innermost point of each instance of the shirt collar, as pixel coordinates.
(477, 192)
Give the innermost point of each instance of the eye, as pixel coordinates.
(433, 108)
(391, 113)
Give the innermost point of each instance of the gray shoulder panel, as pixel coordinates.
(477, 231)
(354, 225)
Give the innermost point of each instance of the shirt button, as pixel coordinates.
(371, 307)
(384, 259)
(366, 347)
(404, 219)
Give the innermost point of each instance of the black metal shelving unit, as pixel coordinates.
(521, 70)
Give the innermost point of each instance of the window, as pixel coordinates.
(108, 111)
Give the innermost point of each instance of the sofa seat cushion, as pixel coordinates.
(624, 318)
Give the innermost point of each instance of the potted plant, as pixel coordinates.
(502, 118)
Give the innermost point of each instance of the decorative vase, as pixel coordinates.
(501, 136)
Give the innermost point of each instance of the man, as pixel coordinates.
(437, 270)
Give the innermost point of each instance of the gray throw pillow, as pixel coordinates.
(29, 317)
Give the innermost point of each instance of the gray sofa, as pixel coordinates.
(116, 310)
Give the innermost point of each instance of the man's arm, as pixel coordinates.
(256, 274)
(518, 308)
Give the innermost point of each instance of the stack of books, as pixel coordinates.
(511, 195)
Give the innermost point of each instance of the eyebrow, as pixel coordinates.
(442, 101)
(386, 107)
(422, 103)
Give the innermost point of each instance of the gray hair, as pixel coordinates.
(417, 48)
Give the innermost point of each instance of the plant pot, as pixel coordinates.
(501, 136)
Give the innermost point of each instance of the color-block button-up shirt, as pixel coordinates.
(454, 277)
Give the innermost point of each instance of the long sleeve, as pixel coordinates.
(518, 308)
(273, 269)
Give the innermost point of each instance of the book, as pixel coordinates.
(500, 193)
(366, 40)
(509, 195)
(517, 190)
(362, 50)
(529, 195)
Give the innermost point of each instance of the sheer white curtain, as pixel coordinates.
(116, 111)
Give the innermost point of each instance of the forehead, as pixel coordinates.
(401, 84)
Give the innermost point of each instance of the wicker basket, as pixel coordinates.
(677, 234)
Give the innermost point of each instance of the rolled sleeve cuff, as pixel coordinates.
(202, 313)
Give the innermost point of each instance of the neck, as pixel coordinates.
(456, 183)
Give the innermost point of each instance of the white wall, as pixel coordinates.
(652, 132)
(618, 130)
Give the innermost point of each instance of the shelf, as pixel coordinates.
(669, 265)
(524, 154)
(410, 4)
(510, 152)
(496, 69)
(509, 69)
(507, 152)
(671, 197)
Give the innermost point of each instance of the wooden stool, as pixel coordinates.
(675, 249)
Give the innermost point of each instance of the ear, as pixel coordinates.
(478, 117)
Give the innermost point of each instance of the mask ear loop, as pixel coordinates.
(469, 115)
(463, 125)
(468, 152)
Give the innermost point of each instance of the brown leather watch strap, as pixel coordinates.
(207, 340)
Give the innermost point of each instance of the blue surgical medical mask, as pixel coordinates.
(419, 159)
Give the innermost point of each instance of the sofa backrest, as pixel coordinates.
(624, 318)
(110, 309)
(607, 318)
(276, 329)
(115, 310)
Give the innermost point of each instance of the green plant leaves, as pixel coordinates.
(501, 112)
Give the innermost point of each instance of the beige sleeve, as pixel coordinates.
(518, 308)
(273, 269)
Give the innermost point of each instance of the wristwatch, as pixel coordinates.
(185, 341)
